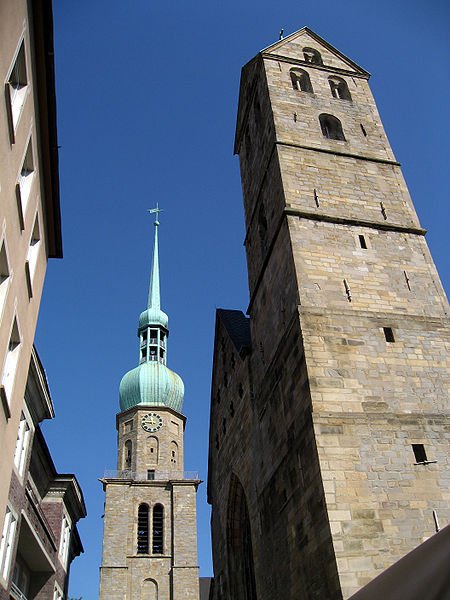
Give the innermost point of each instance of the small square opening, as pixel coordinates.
(419, 453)
(389, 334)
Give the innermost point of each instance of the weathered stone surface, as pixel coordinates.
(325, 407)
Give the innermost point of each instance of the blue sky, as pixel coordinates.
(147, 97)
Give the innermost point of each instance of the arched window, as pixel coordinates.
(158, 529)
(173, 453)
(153, 449)
(150, 589)
(239, 542)
(331, 127)
(312, 56)
(339, 88)
(128, 454)
(300, 80)
(142, 529)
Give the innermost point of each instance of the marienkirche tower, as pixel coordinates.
(150, 537)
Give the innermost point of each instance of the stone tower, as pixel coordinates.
(328, 459)
(150, 535)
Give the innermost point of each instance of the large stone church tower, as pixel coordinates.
(150, 532)
(328, 455)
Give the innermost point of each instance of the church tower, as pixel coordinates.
(150, 536)
(328, 458)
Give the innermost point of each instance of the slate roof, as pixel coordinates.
(237, 326)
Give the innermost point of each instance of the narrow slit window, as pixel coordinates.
(389, 334)
(158, 529)
(362, 242)
(128, 454)
(419, 453)
(142, 529)
(363, 129)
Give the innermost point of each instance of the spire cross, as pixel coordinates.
(155, 211)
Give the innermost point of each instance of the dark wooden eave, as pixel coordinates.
(43, 51)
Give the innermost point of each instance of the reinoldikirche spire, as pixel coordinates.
(152, 383)
(154, 298)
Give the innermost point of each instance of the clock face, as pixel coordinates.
(151, 422)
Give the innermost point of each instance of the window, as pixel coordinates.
(300, 80)
(33, 252)
(23, 188)
(158, 529)
(16, 89)
(362, 242)
(312, 56)
(11, 361)
(7, 543)
(142, 529)
(388, 334)
(339, 88)
(128, 454)
(128, 426)
(151, 475)
(173, 453)
(23, 441)
(4, 275)
(419, 453)
(154, 449)
(57, 594)
(21, 579)
(331, 127)
(64, 542)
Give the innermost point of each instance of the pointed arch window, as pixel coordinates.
(339, 88)
(173, 453)
(312, 56)
(300, 80)
(331, 127)
(158, 529)
(128, 454)
(239, 542)
(142, 529)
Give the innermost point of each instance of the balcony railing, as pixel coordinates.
(17, 593)
(151, 475)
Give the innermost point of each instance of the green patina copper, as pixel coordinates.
(152, 383)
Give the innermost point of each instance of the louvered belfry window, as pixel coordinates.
(142, 531)
(158, 529)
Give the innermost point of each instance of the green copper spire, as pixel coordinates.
(152, 383)
(154, 299)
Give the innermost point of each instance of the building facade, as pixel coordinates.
(37, 505)
(39, 536)
(329, 413)
(150, 531)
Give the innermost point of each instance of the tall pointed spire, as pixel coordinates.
(152, 383)
(154, 299)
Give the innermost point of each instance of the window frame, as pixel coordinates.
(15, 103)
(7, 542)
(10, 364)
(24, 434)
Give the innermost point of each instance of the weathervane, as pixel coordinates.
(155, 211)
